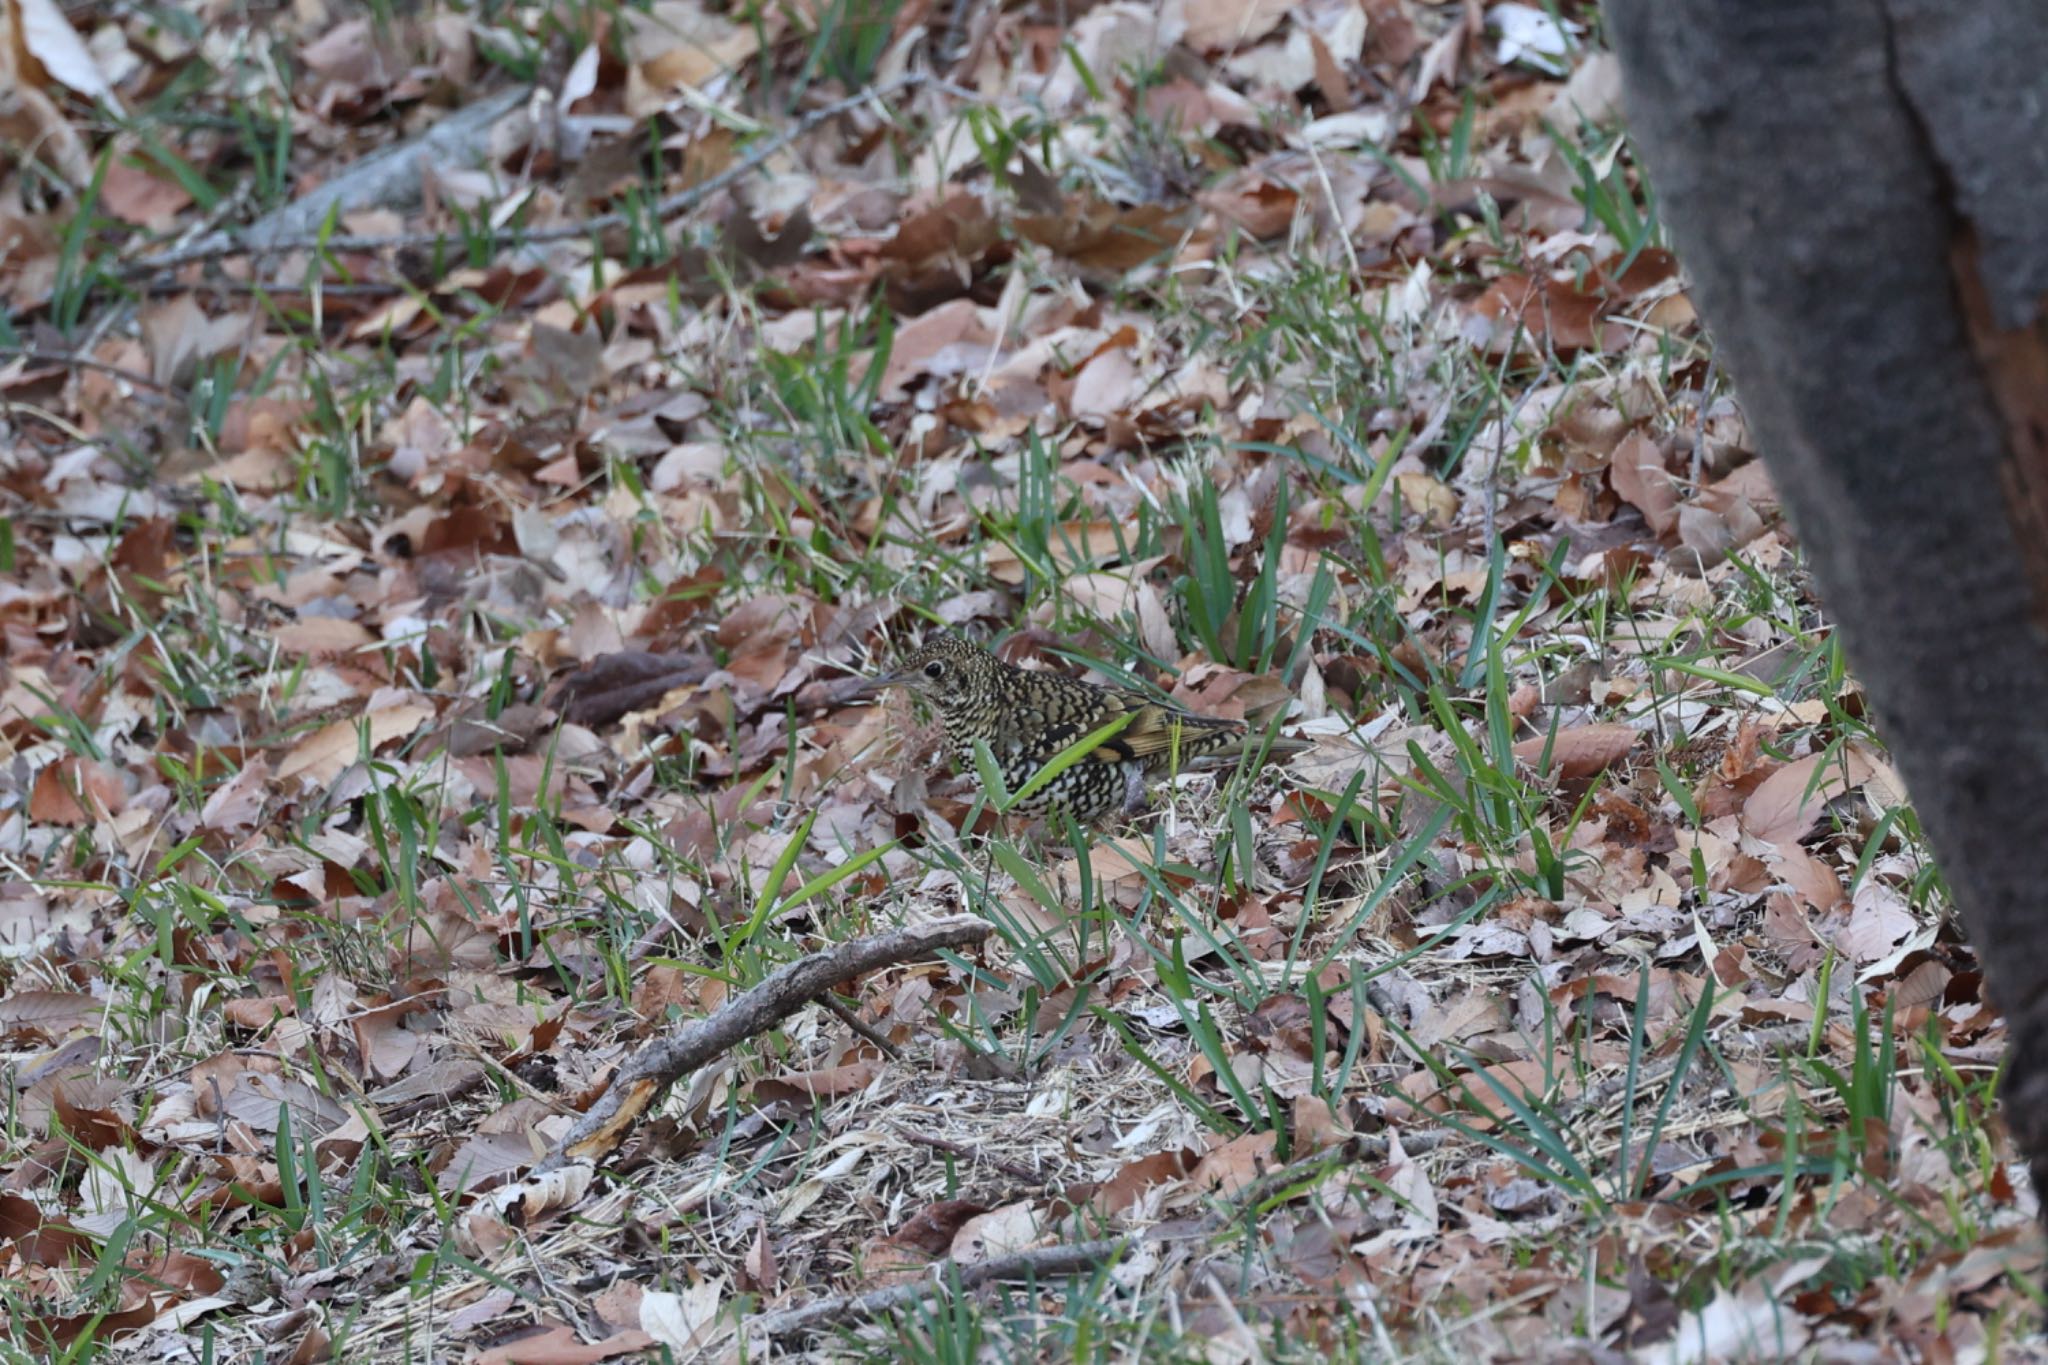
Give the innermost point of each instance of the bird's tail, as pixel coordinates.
(1229, 743)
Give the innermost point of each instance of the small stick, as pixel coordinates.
(665, 1060)
(1049, 1261)
(330, 288)
(854, 1022)
(679, 203)
(28, 355)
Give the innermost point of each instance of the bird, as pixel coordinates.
(1028, 718)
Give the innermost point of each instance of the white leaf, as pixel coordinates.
(687, 1321)
(51, 40)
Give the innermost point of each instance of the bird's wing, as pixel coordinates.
(1153, 729)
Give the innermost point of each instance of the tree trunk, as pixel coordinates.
(1859, 189)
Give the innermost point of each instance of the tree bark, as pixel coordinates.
(1858, 189)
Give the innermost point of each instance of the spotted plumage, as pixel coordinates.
(1028, 718)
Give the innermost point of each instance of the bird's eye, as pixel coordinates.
(935, 669)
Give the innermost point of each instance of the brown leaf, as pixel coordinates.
(937, 341)
(386, 1046)
(1638, 474)
(321, 756)
(73, 791)
(313, 1348)
(1133, 1179)
(321, 637)
(552, 1343)
(138, 196)
(1074, 545)
(49, 1014)
(759, 1267)
(824, 1084)
(1316, 1129)
(488, 1159)
(348, 53)
(257, 1012)
(1580, 750)
(678, 45)
(958, 226)
(1782, 810)
(1038, 190)
(1214, 25)
(770, 253)
(1429, 496)
(237, 803)
(1552, 310)
(178, 1270)
(440, 1083)
(39, 1239)
(570, 363)
(179, 336)
(932, 1228)
(1100, 236)
(1227, 1169)
(1526, 1078)
(1262, 207)
(264, 1102)
(29, 119)
(1810, 879)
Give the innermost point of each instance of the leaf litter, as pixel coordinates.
(432, 672)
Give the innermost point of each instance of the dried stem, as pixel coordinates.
(679, 203)
(1040, 1261)
(667, 1059)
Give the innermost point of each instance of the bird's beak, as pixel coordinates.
(876, 684)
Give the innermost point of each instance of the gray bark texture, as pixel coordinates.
(1858, 188)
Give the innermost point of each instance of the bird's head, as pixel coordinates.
(950, 671)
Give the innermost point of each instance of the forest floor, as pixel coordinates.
(433, 643)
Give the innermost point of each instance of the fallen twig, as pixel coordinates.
(387, 178)
(30, 356)
(679, 203)
(1048, 1261)
(860, 1027)
(332, 289)
(665, 1060)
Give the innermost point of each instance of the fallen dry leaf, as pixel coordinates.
(320, 757)
(1580, 750)
(1786, 805)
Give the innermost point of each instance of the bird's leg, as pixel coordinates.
(1134, 789)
